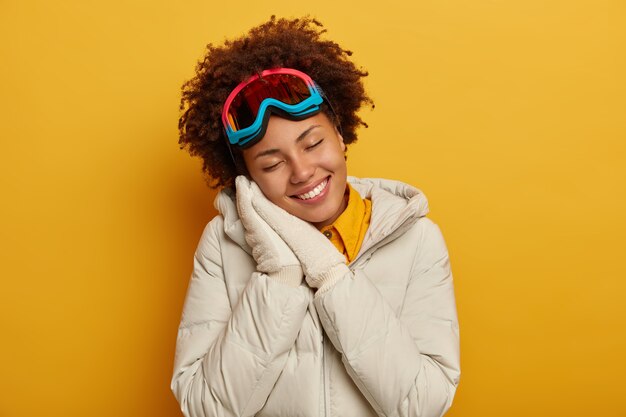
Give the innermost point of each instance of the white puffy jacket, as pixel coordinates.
(384, 340)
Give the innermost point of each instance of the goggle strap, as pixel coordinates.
(230, 151)
(332, 110)
(330, 106)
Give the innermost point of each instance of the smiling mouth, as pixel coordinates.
(314, 192)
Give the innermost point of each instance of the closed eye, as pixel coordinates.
(272, 167)
(315, 144)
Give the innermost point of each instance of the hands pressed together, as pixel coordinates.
(284, 246)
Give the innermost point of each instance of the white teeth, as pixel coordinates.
(314, 192)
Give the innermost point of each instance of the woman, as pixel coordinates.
(313, 293)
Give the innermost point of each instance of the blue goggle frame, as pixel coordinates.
(249, 135)
(300, 111)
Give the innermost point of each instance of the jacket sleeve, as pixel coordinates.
(228, 358)
(406, 363)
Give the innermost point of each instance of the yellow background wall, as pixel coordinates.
(510, 115)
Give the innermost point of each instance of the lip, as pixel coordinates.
(310, 188)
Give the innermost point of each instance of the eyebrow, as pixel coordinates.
(299, 139)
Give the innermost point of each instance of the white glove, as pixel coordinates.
(272, 255)
(322, 263)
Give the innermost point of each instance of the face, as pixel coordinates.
(300, 167)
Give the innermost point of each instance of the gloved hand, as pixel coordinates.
(272, 255)
(322, 263)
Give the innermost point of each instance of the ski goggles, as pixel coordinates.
(284, 91)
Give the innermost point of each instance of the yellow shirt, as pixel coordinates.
(348, 231)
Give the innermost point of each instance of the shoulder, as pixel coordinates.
(211, 238)
(428, 243)
(427, 232)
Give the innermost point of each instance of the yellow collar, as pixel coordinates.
(348, 231)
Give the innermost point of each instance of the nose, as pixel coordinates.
(301, 169)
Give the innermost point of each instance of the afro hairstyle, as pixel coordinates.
(290, 43)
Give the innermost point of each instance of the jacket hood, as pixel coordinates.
(396, 206)
(226, 204)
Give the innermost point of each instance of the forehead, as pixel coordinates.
(281, 131)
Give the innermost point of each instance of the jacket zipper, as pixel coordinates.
(325, 409)
(324, 375)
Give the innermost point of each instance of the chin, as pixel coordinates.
(321, 218)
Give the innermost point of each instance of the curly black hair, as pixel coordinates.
(290, 43)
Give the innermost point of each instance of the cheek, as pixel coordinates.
(336, 161)
(262, 179)
(270, 187)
